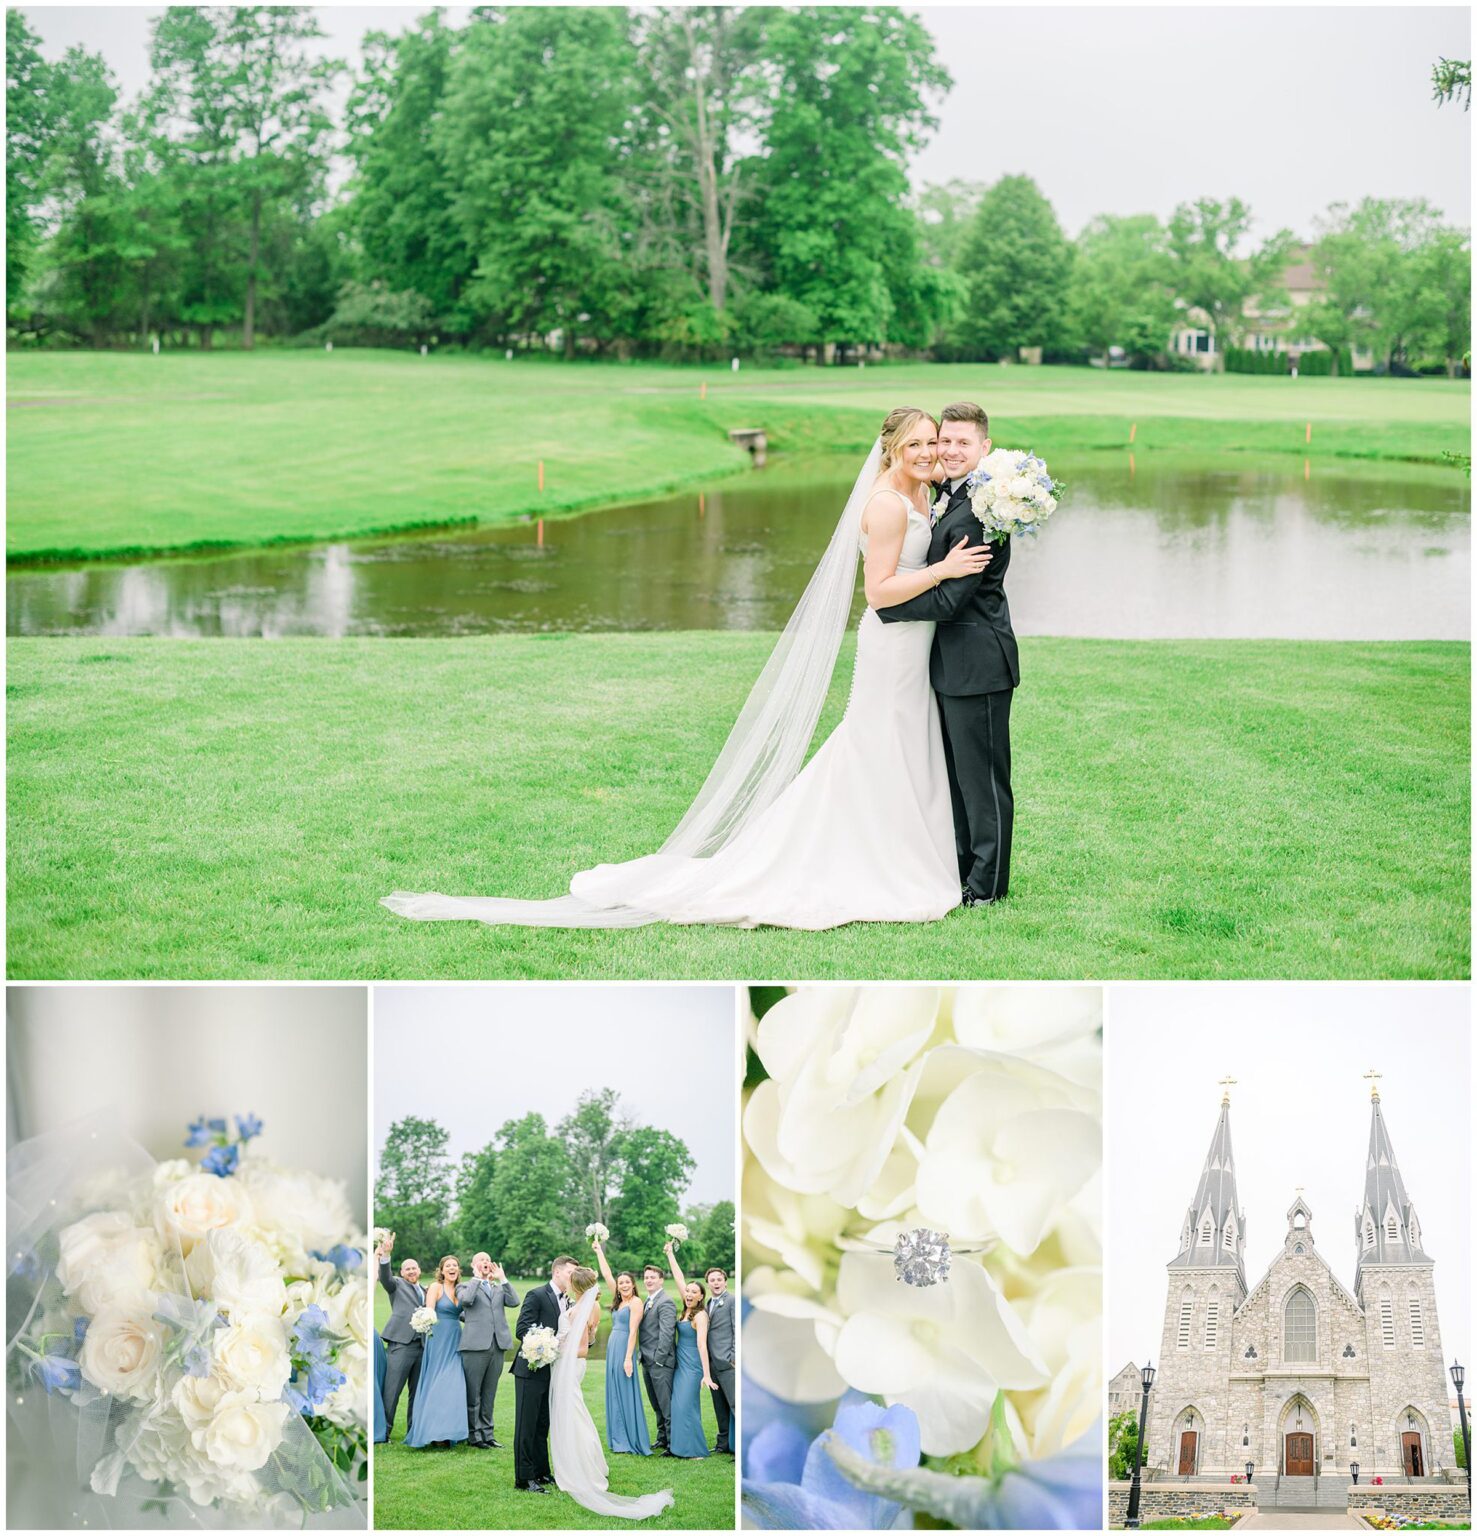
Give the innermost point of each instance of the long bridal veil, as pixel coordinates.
(579, 1465)
(764, 752)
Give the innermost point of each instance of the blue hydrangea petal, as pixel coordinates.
(776, 1454)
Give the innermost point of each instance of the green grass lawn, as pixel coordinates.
(1184, 809)
(460, 1489)
(1209, 1523)
(112, 454)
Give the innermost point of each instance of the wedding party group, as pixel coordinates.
(447, 1343)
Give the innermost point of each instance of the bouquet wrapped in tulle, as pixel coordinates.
(1011, 492)
(423, 1320)
(540, 1347)
(208, 1324)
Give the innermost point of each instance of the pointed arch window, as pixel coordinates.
(1212, 1322)
(1369, 1234)
(1207, 1232)
(1186, 1307)
(1230, 1242)
(1300, 1327)
(1387, 1322)
(1392, 1229)
(1417, 1324)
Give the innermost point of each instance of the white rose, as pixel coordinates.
(171, 1171)
(237, 1274)
(192, 1207)
(121, 1353)
(312, 1209)
(350, 1314)
(106, 1260)
(251, 1355)
(242, 1433)
(197, 1398)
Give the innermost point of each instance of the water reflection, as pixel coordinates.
(1159, 547)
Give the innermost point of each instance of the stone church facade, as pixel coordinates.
(1299, 1374)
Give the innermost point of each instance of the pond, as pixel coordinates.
(1162, 547)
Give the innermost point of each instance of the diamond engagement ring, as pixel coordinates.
(920, 1257)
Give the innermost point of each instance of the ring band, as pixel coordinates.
(920, 1257)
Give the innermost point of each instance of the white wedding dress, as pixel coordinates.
(862, 833)
(575, 1456)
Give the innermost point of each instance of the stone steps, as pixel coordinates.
(1305, 1494)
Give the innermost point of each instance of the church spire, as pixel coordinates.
(1214, 1231)
(1386, 1229)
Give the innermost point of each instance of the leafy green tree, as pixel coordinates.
(478, 1217)
(1209, 273)
(1123, 1445)
(535, 134)
(527, 1189)
(1015, 263)
(401, 193)
(1460, 1447)
(715, 1236)
(832, 229)
(412, 1195)
(1451, 79)
(593, 1138)
(766, 322)
(1119, 290)
(656, 1168)
(29, 110)
(945, 212)
(1434, 297)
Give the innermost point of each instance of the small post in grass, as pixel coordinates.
(541, 476)
(702, 503)
(1308, 432)
(1133, 432)
(540, 533)
(702, 390)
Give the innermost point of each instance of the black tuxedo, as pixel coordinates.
(974, 669)
(540, 1309)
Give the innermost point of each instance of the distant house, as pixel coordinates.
(1126, 1390)
(1272, 330)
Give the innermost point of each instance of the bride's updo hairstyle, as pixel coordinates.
(581, 1278)
(896, 428)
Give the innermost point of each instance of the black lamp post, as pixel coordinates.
(1250, 1469)
(1354, 1470)
(1132, 1522)
(1458, 1379)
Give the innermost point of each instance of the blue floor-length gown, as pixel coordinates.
(625, 1412)
(688, 1438)
(441, 1396)
(381, 1429)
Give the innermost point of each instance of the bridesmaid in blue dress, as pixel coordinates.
(692, 1373)
(440, 1413)
(381, 1429)
(625, 1411)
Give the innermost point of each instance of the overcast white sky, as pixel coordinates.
(1113, 109)
(475, 1057)
(1300, 1114)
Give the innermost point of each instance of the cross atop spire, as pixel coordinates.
(1373, 1078)
(1227, 1084)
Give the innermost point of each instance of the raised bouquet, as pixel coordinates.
(208, 1324)
(1011, 492)
(540, 1347)
(423, 1320)
(598, 1232)
(677, 1232)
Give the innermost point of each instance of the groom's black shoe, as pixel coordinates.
(969, 898)
(530, 1488)
(493, 1445)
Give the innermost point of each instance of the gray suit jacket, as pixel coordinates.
(404, 1299)
(484, 1323)
(721, 1312)
(657, 1340)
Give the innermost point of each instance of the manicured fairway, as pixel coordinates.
(117, 454)
(227, 809)
(460, 1489)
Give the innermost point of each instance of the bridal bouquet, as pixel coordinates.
(1011, 492)
(677, 1232)
(423, 1320)
(209, 1326)
(540, 1347)
(598, 1232)
(959, 1123)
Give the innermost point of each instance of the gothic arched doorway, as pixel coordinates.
(1299, 1438)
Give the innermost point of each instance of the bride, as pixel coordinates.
(578, 1463)
(864, 832)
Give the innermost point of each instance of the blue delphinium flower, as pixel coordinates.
(312, 1386)
(57, 1372)
(785, 1490)
(202, 1131)
(221, 1161)
(341, 1256)
(248, 1126)
(311, 1336)
(79, 1330)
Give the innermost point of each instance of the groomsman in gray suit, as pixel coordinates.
(403, 1345)
(658, 1341)
(485, 1336)
(722, 1311)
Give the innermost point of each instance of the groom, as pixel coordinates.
(542, 1308)
(974, 668)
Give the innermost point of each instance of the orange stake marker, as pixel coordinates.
(540, 474)
(702, 390)
(1130, 466)
(702, 503)
(1133, 431)
(540, 533)
(1307, 469)
(1308, 433)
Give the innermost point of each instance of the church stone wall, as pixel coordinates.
(1406, 1376)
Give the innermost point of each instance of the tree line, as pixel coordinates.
(676, 182)
(529, 1194)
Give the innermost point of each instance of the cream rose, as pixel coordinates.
(242, 1433)
(121, 1353)
(197, 1398)
(351, 1312)
(106, 1260)
(313, 1209)
(251, 1355)
(238, 1275)
(193, 1207)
